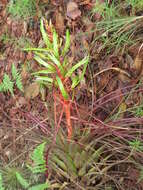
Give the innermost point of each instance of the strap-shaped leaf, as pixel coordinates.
(56, 62)
(44, 63)
(44, 35)
(67, 43)
(62, 89)
(42, 55)
(43, 78)
(55, 44)
(80, 63)
(65, 62)
(42, 72)
(37, 49)
(76, 82)
(59, 162)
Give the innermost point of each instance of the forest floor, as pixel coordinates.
(108, 101)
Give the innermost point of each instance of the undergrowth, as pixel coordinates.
(116, 30)
(7, 84)
(22, 8)
(88, 161)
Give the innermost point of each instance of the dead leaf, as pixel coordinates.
(114, 69)
(43, 93)
(20, 102)
(73, 11)
(123, 78)
(138, 63)
(122, 109)
(1, 133)
(59, 22)
(32, 90)
(24, 73)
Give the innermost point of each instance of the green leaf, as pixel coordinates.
(39, 159)
(44, 63)
(71, 165)
(42, 55)
(43, 186)
(82, 75)
(92, 158)
(8, 84)
(44, 35)
(67, 43)
(59, 162)
(22, 181)
(80, 63)
(17, 77)
(56, 62)
(14, 71)
(19, 82)
(62, 89)
(1, 87)
(55, 44)
(43, 72)
(44, 78)
(75, 81)
(37, 49)
(58, 170)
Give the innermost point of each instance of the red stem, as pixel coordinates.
(67, 107)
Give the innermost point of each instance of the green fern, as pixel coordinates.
(1, 87)
(8, 83)
(39, 165)
(22, 181)
(22, 8)
(17, 77)
(14, 71)
(19, 83)
(14, 180)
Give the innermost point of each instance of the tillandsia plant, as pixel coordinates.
(56, 71)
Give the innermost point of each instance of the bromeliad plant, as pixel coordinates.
(56, 71)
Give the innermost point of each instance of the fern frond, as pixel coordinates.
(1, 87)
(23, 182)
(38, 159)
(19, 82)
(17, 77)
(7, 84)
(1, 184)
(14, 72)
